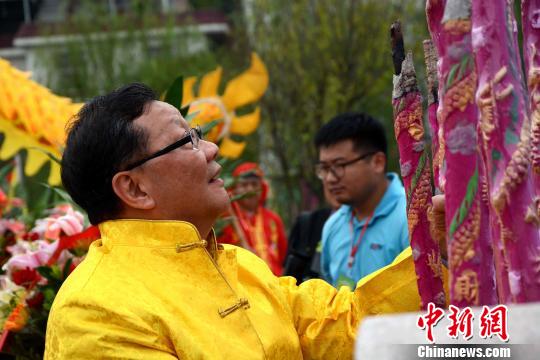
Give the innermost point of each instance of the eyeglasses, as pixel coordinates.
(194, 136)
(338, 170)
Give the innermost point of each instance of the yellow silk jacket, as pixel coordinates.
(156, 290)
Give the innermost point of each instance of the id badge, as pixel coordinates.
(344, 280)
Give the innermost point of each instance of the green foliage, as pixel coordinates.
(55, 278)
(175, 93)
(112, 50)
(224, 5)
(184, 111)
(37, 196)
(209, 126)
(324, 58)
(459, 70)
(31, 190)
(5, 169)
(49, 154)
(466, 204)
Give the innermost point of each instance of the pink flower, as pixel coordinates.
(30, 257)
(62, 209)
(20, 247)
(22, 261)
(15, 226)
(68, 224)
(63, 220)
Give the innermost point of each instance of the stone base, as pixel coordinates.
(390, 336)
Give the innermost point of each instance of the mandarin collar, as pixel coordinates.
(153, 234)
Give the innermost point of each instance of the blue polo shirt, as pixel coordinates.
(386, 236)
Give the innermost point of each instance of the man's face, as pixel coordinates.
(250, 184)
(184, 182)
(358, 179)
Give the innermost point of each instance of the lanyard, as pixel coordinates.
(355, 246)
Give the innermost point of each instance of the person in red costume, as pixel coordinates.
(254, 226)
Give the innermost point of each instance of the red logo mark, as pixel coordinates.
(433, 316)
(461, 322)
(494, 322)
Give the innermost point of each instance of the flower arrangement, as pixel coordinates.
(36, 261)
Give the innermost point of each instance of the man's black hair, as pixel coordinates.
(366, 132)
(101, 139)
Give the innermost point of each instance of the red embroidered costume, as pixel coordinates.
(262, 229)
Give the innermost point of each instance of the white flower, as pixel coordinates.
(8, 290)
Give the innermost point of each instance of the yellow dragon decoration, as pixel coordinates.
(34, 119)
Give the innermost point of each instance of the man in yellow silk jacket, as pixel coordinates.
(156, 285)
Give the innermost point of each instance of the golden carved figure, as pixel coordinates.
(458, 96)
(410, 121)
(516, 170)
(458, 26)
(536, 265)
(487, 101)
(462, 245)
(435, 263)
(466, 287)
(533, 212)
(418, 203)
(533, 79)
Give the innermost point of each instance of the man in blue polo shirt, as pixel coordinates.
(370, 229)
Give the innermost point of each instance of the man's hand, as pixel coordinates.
(437, 223)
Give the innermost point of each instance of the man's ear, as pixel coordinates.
(379, 162)
(132, 191)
